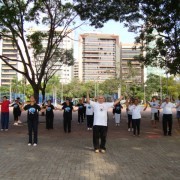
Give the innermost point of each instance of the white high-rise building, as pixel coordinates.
(6, 72)
(99, 57)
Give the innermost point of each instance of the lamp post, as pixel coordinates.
(119, 91)
(10, 91)
(145, 93)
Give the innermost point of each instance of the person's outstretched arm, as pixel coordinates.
(87, 98)
(118, 100)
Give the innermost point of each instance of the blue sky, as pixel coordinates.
(111, 27)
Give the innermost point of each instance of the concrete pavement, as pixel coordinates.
(61, 156)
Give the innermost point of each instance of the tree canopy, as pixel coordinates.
(40, 62)
(156, 22)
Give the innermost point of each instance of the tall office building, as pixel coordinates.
(6, 72)
(131, 70)
(99, 56)
(76, 70)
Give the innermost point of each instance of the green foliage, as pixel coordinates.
(157, 23)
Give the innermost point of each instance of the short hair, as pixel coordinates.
(5, 97)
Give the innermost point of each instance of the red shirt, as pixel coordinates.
(5, 106)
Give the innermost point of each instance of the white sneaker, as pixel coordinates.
(6, 129)
(103, 151)
(88, 129)
(29, 144)
(19, 121)
(2, 129)
(34, 144)
(129, 129)
(96, 151)
(15, 124)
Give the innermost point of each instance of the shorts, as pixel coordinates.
(154, 116)
(117, 118)
(178, 114)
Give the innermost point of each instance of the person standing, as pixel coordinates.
(178, 110)
(129, 103)
(100, 126)
(67, 114)
(80, 106)
(154, 111)
(167, 120)
(33, 120)
(117, 113)
(136, 116)
(89, 115)
(5, 114)
(49, 115)
(16, 111)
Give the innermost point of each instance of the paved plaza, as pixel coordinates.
(66, 156)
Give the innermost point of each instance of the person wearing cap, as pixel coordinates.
(167, 120)
(100, 125)
(5, 114)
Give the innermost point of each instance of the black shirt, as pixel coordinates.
(16, 108)
(80, 108)
(117, 109)
(67, 111)
(32, 110)
(49, 110)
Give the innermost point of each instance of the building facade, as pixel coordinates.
(131, 70)
(6, 72)
(99, 57)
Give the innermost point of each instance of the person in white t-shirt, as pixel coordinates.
(100, 121)
(136, 115)
(129, 103)
(178, 110)
(154, 111)
(167, 116)
(89, 115)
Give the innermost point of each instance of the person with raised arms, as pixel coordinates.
(100, 125)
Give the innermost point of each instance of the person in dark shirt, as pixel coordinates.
(16, 111)
(117, 113)
(67, 115)
(32, 119)
(80, 106)
(49, 115)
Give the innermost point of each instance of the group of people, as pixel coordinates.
(96, 113)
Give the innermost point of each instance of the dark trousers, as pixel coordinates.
(49, 122)
(90, 119)
(99, 132)
(167, 123)
(80, 117)
(67, 124)
(4, 120)
(130, 122)
(136, 124)
(33, 127)
(15, 116)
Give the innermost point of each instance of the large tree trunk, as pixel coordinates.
(36, 92)
(43, 98)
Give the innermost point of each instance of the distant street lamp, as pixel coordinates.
(145, 93)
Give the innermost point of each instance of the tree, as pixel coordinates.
(156, 22)
(39, 62)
